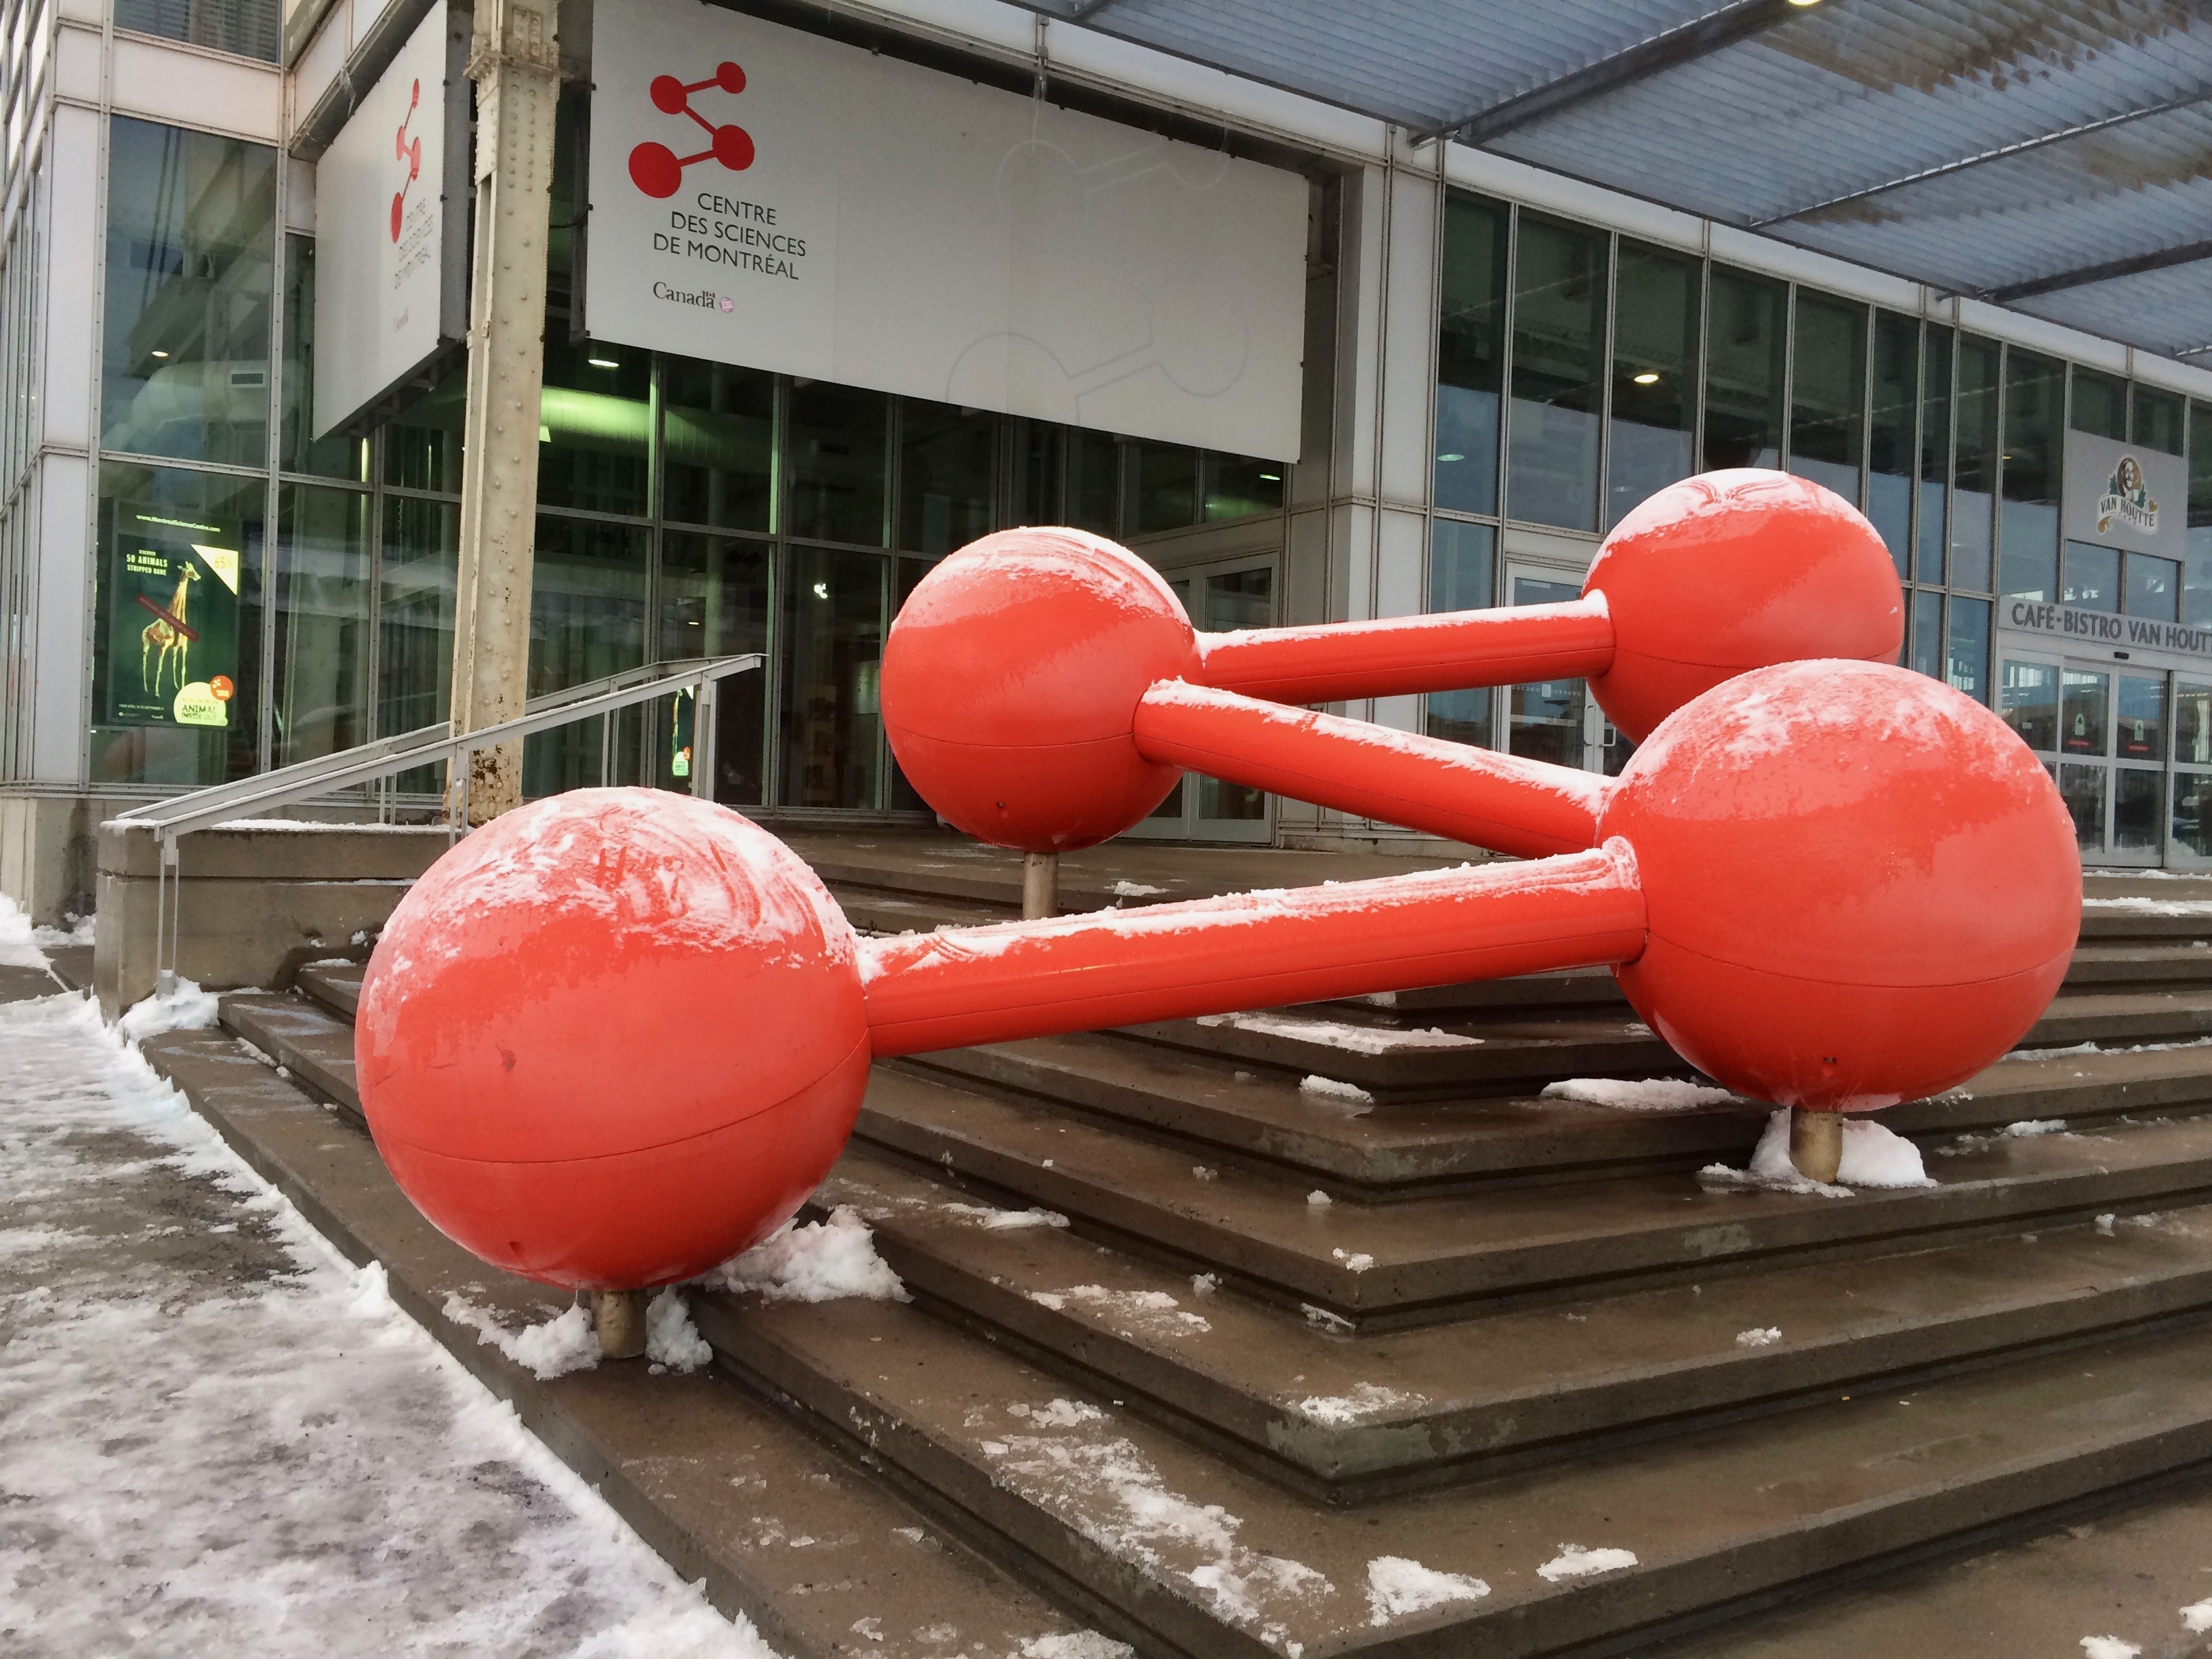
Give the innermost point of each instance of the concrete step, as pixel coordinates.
(1218, 1560)
(1359, 1419)
(1394, 1148)
(825, 1558)
(310, 1042)
(336, 985)
(1383, 1266)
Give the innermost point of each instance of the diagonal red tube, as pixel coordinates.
(1521, 806)
(1397, 655)
(973, 985)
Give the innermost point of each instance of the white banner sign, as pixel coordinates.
(2125, 495)
(763, 197)
(382, 303)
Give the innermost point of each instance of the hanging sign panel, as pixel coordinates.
(391, 277)
(2125, 495)
(763, 197)
(172, 624)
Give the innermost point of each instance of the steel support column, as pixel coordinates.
(514, 60)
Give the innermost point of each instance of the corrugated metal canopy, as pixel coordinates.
(2064, 147)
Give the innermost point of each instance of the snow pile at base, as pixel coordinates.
(1136, 890)
(187, 1008)
(19, 945)
(220, 1438)
(1397, 1587)
(1873, 1157)
(997, 1220)
(2197, 1617)
(1758, 1339)
(1656, 1094)
(1573, 1561)
(2109, 1647)
(2028, 1127)
(552, 1348)
(670, 1338)
(1366, 1400)
(80, 931)
(816, 1261)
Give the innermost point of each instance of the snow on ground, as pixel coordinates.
(1873, 1157)
(1657, 1094)
(2108, 1647)
(1397, 1587)
(1573, 1561)
(217, 1436)
(1336, 1092)
(187, 1008)
(813, 1261)
(1336, 1034)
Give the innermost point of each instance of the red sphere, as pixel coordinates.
(612, 1038)
(1730, 571)
(1861, 887)
(1011, 681)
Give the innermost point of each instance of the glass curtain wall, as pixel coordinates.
(1652, 436)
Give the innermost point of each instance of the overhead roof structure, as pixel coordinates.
(2053, 156)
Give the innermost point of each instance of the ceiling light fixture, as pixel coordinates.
(1648, 377)
(603, 362)
(160, 354)
(1452, 457)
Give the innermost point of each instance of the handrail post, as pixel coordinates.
(702, 737)
(165, 962)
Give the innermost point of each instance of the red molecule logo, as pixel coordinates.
(658, 170)
(409, 153)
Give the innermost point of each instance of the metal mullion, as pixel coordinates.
(1869, 333)
(1789, 375)
(273, 457)
(1608, 326)
(1509, 312)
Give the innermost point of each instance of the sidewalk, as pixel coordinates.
(217, 1436)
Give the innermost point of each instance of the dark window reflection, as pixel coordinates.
(1967, 646)
(2093, 577)
(2158, 419)
(2100, 404)
(718, 436)
(1828, 393)
(320, 700)
(249, 28)
(1559, 331)
(837, 450)
(1973, 498)
(1932, 501)
(1890, 455)
(595, 426)
(714, 600)
(1460, 577)
(1238, 486)
(2027, 530)
(947, 457)
(1166, 487)
(1544, 721)
(832, 615)
(2028, 700)
(2139, 732)
(1743, 371)
(1470, 350)
(2083, 707)
(2138, 809)
(2153, 587)
(1655, 365)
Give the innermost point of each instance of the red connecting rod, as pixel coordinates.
(995, 984)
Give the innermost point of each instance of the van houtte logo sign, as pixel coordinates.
(2127, 499)
(658, 170)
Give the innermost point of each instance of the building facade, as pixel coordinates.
(1499, 362)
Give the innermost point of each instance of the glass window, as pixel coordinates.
(2028, 700)
(718, 444)
(177, 626)
(1239, 486)
(1975, 476)
(318, 701)
(2093, 577)
(1558, 333)
(1929, 556)
(2082, 789)
(2138, 808)
(1828, 393)
(2141, 732)
(1967, 648)
(905, 797)
(2083, 700)
(2192, 723)
(1544, 720)
(587, 582)
(2028, 532)
(713, 599)
(2158, 419)
(1094, 483)
(2197, 585)
(250, 28)
(2100, 405)
(2153, 587)
(1462, 577)
(595, 426)
(836, 459)
(947, 459)
(190, 269)
(2193, 813)
(1890, 453)
(1470, 325)
(334, 455)
(1926, 644)
(1743, 371)
(422, 444)
(415, 615)
(1234, 599)
(832, 645)
(1166, 487)
(1654, 368)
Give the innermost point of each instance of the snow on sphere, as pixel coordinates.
(612, 1038)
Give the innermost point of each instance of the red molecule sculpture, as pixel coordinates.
(1043, 688)
(658, 170)
(616, 1037)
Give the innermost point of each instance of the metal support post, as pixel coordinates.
(515, 62)
(619, 1318)
(1816, 1143)
(1039, 885)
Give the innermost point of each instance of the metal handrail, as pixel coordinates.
(367, 762)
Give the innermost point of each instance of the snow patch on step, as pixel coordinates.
(552, 1348)
(1337, 1034)
(1397, 1587)
(187, 1008)
(813, 1261)
(1155, 1312)
(1656, 1094)
(1873, 1157)
(1365, 1401)
(1573, 1561)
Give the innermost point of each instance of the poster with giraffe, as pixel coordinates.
(173, 625)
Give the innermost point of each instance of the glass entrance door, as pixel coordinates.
(2105, 736)
(1220, 598)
